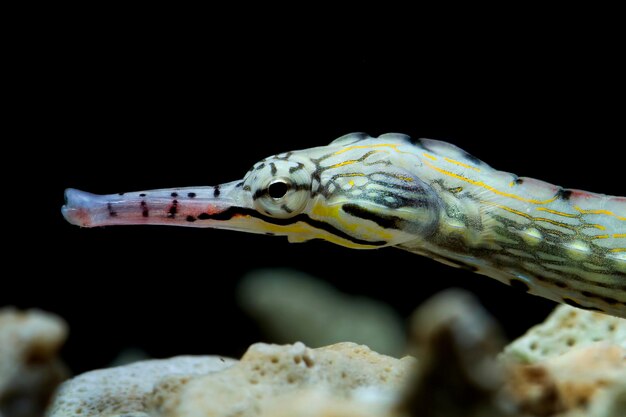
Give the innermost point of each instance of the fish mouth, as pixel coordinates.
(78, 205)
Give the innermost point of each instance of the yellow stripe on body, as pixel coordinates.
(455, 162)
(297, 232)
(559, 213)
(606, 212)
(489, 187)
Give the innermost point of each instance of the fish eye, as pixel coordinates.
(278, 189)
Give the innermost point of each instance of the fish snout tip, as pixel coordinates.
(75, 209)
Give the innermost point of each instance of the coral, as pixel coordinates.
(343, 380)
(293, 306)
(30, 369)
(125, 389)
(567, 327)
(573, 365)
(268, 375)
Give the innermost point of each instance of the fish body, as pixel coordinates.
(425, 196)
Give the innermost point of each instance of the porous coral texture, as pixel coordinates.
(347, 376)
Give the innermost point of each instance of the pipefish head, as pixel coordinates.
(354, 193)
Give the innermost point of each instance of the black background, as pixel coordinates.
(108, 102)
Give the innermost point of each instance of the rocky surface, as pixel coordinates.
(267, 378)
(125, 390)
(30, 368)
(565, 329)
(573, 365)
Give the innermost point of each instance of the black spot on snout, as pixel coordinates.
(112, 212)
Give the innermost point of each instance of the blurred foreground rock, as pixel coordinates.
(293, 306)
(573, 365)
(30, 369)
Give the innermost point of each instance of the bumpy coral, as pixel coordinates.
(268, 375)
(30, 369)
(343, 380)
(564, 329)
(126, 389)
(573, 364)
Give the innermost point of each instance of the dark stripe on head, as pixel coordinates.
(297, 168)
(239, 211)
(388, 222)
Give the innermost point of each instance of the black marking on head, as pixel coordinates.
(231, 212)
(472, 158)
(561, 284)
(191, 219)
(519, 181)
(286, 208)
(191, 195)
(387, 222)
(260, 166)
(216, 191)
(519, 285)
(144, 209)
(415, 141)
(173, 209)
(573, 303)
(296, 168)
(112, 212)
(174, 194)
(273, 169)
(120, 193)
(239, 184)
(142, 195)
(564, 194)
